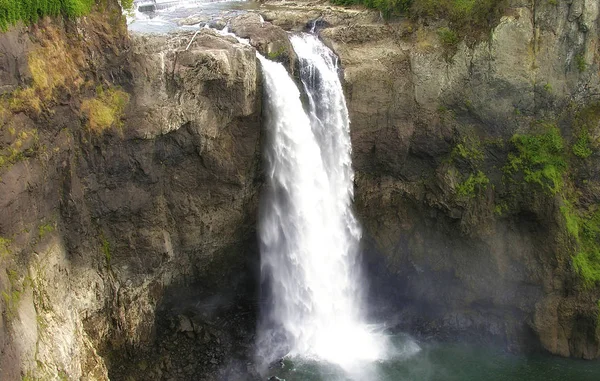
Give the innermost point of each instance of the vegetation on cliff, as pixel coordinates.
(465, 16)
(106, 109)
(540, 161)
(29, 11)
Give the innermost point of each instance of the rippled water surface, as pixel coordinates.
(173, 18)
(450, 362)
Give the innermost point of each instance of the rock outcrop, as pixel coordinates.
(495, 263)
(103, 230)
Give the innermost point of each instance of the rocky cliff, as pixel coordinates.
(476, 169)
(130, 179)
(455, 174)
(129, 187)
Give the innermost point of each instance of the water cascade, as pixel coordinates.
(309, 235)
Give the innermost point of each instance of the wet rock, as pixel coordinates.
(270, 40)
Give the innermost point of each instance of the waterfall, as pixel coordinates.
(308, 234)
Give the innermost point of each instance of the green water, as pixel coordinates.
(449, 362)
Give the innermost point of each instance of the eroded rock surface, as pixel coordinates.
(102, 230)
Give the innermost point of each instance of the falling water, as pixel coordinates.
(309, 235)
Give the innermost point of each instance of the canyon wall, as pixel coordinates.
(129, 187)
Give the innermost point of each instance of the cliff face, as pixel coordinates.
(452, 184)
(130, 174)
(128, 184)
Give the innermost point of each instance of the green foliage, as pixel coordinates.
(585, 120)
(500, 209)
(464, 15)
(106, 109)
(581, 148)
(45, 229)
(274, 55)
(474, 183)
(127, 4)
(106, 251)
(580, 62)
(540, 157)
(468, 150)
(4, 250)
(448, 37)
(29, 11)
(13, 298)
(387, 7)
(548, 87)
(584, 228)
(587, 264)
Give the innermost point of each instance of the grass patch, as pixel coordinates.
(540, 157)
(52, 68)
(475, 184)
(16, 151)
(29, 11)
(106, 110)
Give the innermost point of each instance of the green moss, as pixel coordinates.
(465, 16)
(448, 37)
(587, 264)
(501, 208)
(584, 228)
(29, 11)
(580, 62)
(468, 149)
(274, 55)
(106, 251)
(12, 298)
(475, 183)
(106, 110)
(45, 229)
(585, 120)
(540, 157)
(4, 249)
(581, 147)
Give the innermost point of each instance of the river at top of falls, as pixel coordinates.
(308, 233)
(184, 15)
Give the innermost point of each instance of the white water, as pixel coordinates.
(309, 235)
